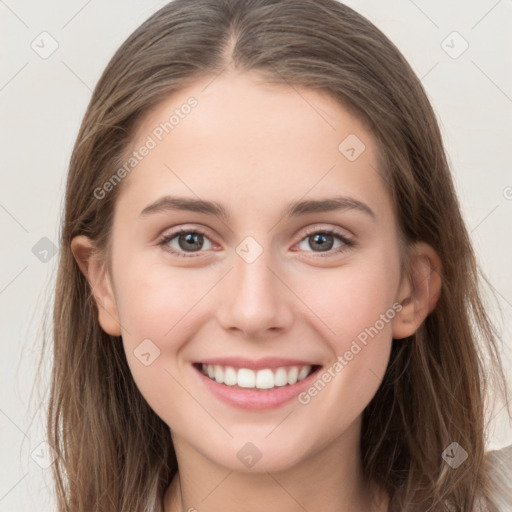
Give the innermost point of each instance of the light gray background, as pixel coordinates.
(42, 102)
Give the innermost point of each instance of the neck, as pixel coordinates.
(330, 480)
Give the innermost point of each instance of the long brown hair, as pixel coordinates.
(115, 453)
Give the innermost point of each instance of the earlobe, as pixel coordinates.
(419, 291)
(99, 280)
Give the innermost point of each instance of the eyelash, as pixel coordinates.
(347, 243)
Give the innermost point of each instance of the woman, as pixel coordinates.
(206, 358)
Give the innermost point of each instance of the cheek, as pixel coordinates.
(157, 310)
(357, 304)
(351, 298)
(360, 355)
(156, 306)
(154, 301)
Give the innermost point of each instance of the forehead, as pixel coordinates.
(235, 137)
(245, 100)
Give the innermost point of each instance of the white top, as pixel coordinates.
(501, 476)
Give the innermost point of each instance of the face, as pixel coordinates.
(262, 285)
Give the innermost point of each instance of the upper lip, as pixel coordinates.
(258, 364)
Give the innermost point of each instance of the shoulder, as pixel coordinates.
(500, 475)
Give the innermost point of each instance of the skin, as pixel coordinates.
(255, 148)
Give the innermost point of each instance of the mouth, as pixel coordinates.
(262, 379)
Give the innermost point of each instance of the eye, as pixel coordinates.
(185, 241)
(325, 241)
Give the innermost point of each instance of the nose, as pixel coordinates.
(254, 300)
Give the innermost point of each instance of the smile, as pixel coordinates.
(266, 378)
(268, 385)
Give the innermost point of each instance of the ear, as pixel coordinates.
(99, 279)
(419, 290)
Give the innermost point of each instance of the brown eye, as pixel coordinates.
(183, 241)
(190, 241)
(322, 241)
(325, 241)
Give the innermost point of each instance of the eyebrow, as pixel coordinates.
(295, 209)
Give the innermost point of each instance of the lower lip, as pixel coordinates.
(256, 400)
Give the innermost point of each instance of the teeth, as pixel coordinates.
(304, 372)
(280, 377)
(293, 374)
(260, 379)
(219, 374)
(264, 379)
(230, 377)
